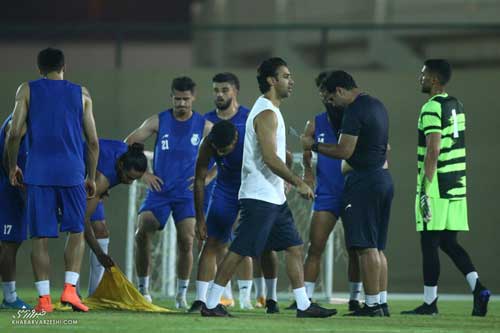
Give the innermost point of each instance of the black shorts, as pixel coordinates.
(264, 226)
(366, 208)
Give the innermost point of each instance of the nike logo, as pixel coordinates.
(348, 206)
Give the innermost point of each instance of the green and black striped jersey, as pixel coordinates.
(444, 114)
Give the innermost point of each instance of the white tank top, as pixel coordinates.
(257, 180)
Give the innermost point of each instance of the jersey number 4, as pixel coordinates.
(7, 228)
(164, 145)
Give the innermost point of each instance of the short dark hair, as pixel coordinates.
(227, 77)
(183, 83)
(440, 67)
(336, 79)
(222, 134)
(134, 158)
(320, 78)
(266, 69)
(50, 60)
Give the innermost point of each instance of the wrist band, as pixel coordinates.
(314, 147)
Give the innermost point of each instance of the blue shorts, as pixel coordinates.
(222, 213)
(328, 203)
(50, 206)
(13, 227)
(161, 206)
(367, 203)
(263, 227)
(98, 214)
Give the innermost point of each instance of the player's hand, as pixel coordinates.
(307, 142)
(288, 187)
(16, 177)
(305, 191)
(90, 188)
(152, 181)
(201, 230)
(105, 260)
(425, 207)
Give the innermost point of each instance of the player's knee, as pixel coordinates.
(315, 250)
(185, 244)
(295, 251)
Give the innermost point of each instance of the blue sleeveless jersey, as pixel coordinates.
(109, 153)
(55, 134)
(176, 149)
(329, 178)
(21, 156)
(229, 166)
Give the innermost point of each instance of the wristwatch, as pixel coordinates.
(314, 147)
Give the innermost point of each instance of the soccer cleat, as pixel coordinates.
(44, 304)
(196, 306)
(316, 311)
(69, 297)
(481, 299)
(218, 311)
(227, 302)
(246, 305)
(367, 311)
(354, 305)
(18, 304)
(424, 309)
(292, 306)
(261, 302)
(385, 309)
(272, 306)
(180, 302)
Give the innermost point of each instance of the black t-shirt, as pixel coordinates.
(367, 119)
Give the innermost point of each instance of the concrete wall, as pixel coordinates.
(123, 99)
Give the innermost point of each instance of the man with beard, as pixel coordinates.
(178, 133)
(325, 128)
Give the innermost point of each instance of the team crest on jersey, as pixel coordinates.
(321, 137)
(195, 139)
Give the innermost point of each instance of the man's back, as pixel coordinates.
(55, 134)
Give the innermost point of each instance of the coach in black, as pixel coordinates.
(368, 188)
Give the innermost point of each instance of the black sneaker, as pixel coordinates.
(424, 309)
(354, 305)
(481, 299)
(218, 311)
(385, 309)
(316, 311)
(196, 306)
(272, 306)
(292, 306)
(367, 311)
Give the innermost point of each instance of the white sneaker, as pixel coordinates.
(180, 302)
(246, 305)
(148, 298)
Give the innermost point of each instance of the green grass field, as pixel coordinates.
(454, 317)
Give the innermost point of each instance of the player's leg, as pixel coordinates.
(148, 224)
(244, 276)
(354, 278)
(260, 284)
(227, 298)
(101, 233)
(185, 239)
(8, 254)
(385, 205)
(72, 203)
(322, 224)
(269, 266)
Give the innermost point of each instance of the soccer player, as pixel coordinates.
(325, 128)
(223, 207)
(441, 204)
(58, 177)
(266, 222)
(13, 229)
(118, 163)
(368, 188)
(178, 133)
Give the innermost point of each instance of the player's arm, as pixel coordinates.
(212, 173)
(92, 141)
(307, 155)
(102, 186)
(17, 125)
(201, 171)
(266, 126)
(433, 144)
(5, 158)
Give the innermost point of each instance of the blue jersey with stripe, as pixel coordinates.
(229, 166)
(21, 156)
(176, 150)
(55, 134)
(109, 153)
(329, 178)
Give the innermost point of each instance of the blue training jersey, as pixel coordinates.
(176, 149)
(329, 178)
(55, 134)
(229, 166)
(21, 156)
(109, 153)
